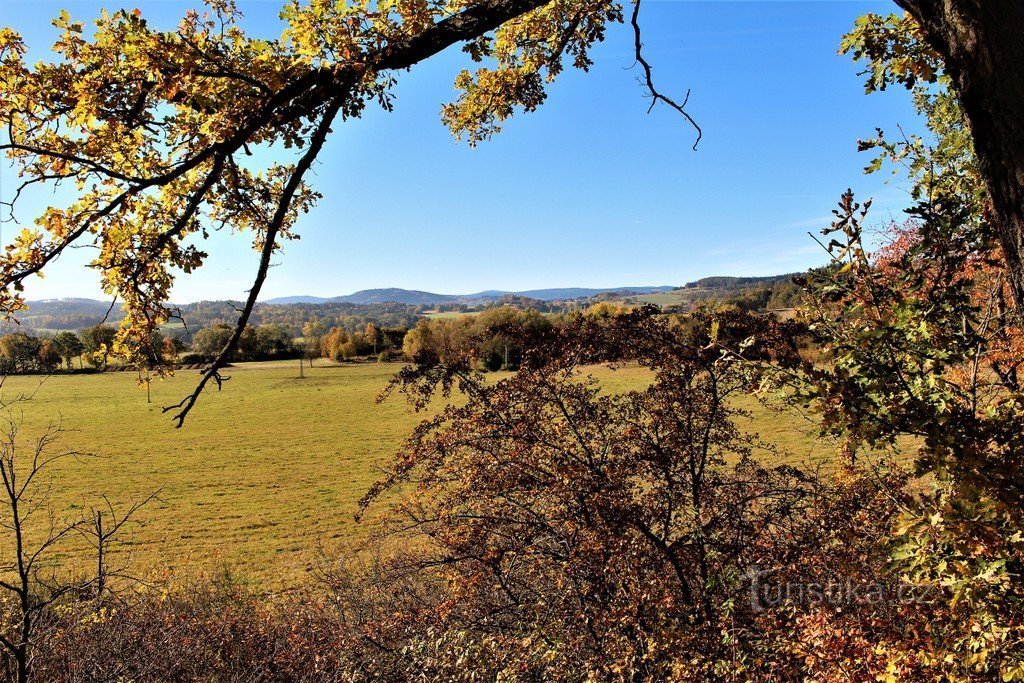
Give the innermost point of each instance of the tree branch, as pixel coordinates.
(648, 81)
(269, 246)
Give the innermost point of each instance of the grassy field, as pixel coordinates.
(661, 298)
(264, 472)
(447, 314)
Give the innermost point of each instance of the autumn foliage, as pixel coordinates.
(543, 529)
(540, 528)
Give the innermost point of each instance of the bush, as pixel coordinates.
(194, 359)
(206, 630)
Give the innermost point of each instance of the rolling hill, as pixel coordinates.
(384, 306)
(417, 297)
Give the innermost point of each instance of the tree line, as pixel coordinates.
(94, 347)
(24, 352)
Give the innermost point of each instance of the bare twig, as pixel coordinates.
(648, 80)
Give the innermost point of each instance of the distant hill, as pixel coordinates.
(414, 297)
(420, 298)
(393, 306)
(298, 300)
(51, 316)
(70, 306)
(730, 282)
(63, 314)
(559, 294)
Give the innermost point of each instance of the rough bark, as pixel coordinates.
(982, 45)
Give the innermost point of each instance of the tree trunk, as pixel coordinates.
(982, 45)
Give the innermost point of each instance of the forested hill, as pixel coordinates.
(748, 293)
(394, 307)
(418, 297)
(75, 314)
(737, 283)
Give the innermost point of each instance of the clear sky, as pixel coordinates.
(589, 190)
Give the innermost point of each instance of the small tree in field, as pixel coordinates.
(98, 343)
(372, 336)
(172, 348)
(49, 356)
(313, 333)
(20, 352)
(69, 346)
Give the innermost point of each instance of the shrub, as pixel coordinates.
(194, 359)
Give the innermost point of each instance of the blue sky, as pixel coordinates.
(589, 190)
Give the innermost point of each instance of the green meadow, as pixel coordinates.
(266, 473)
